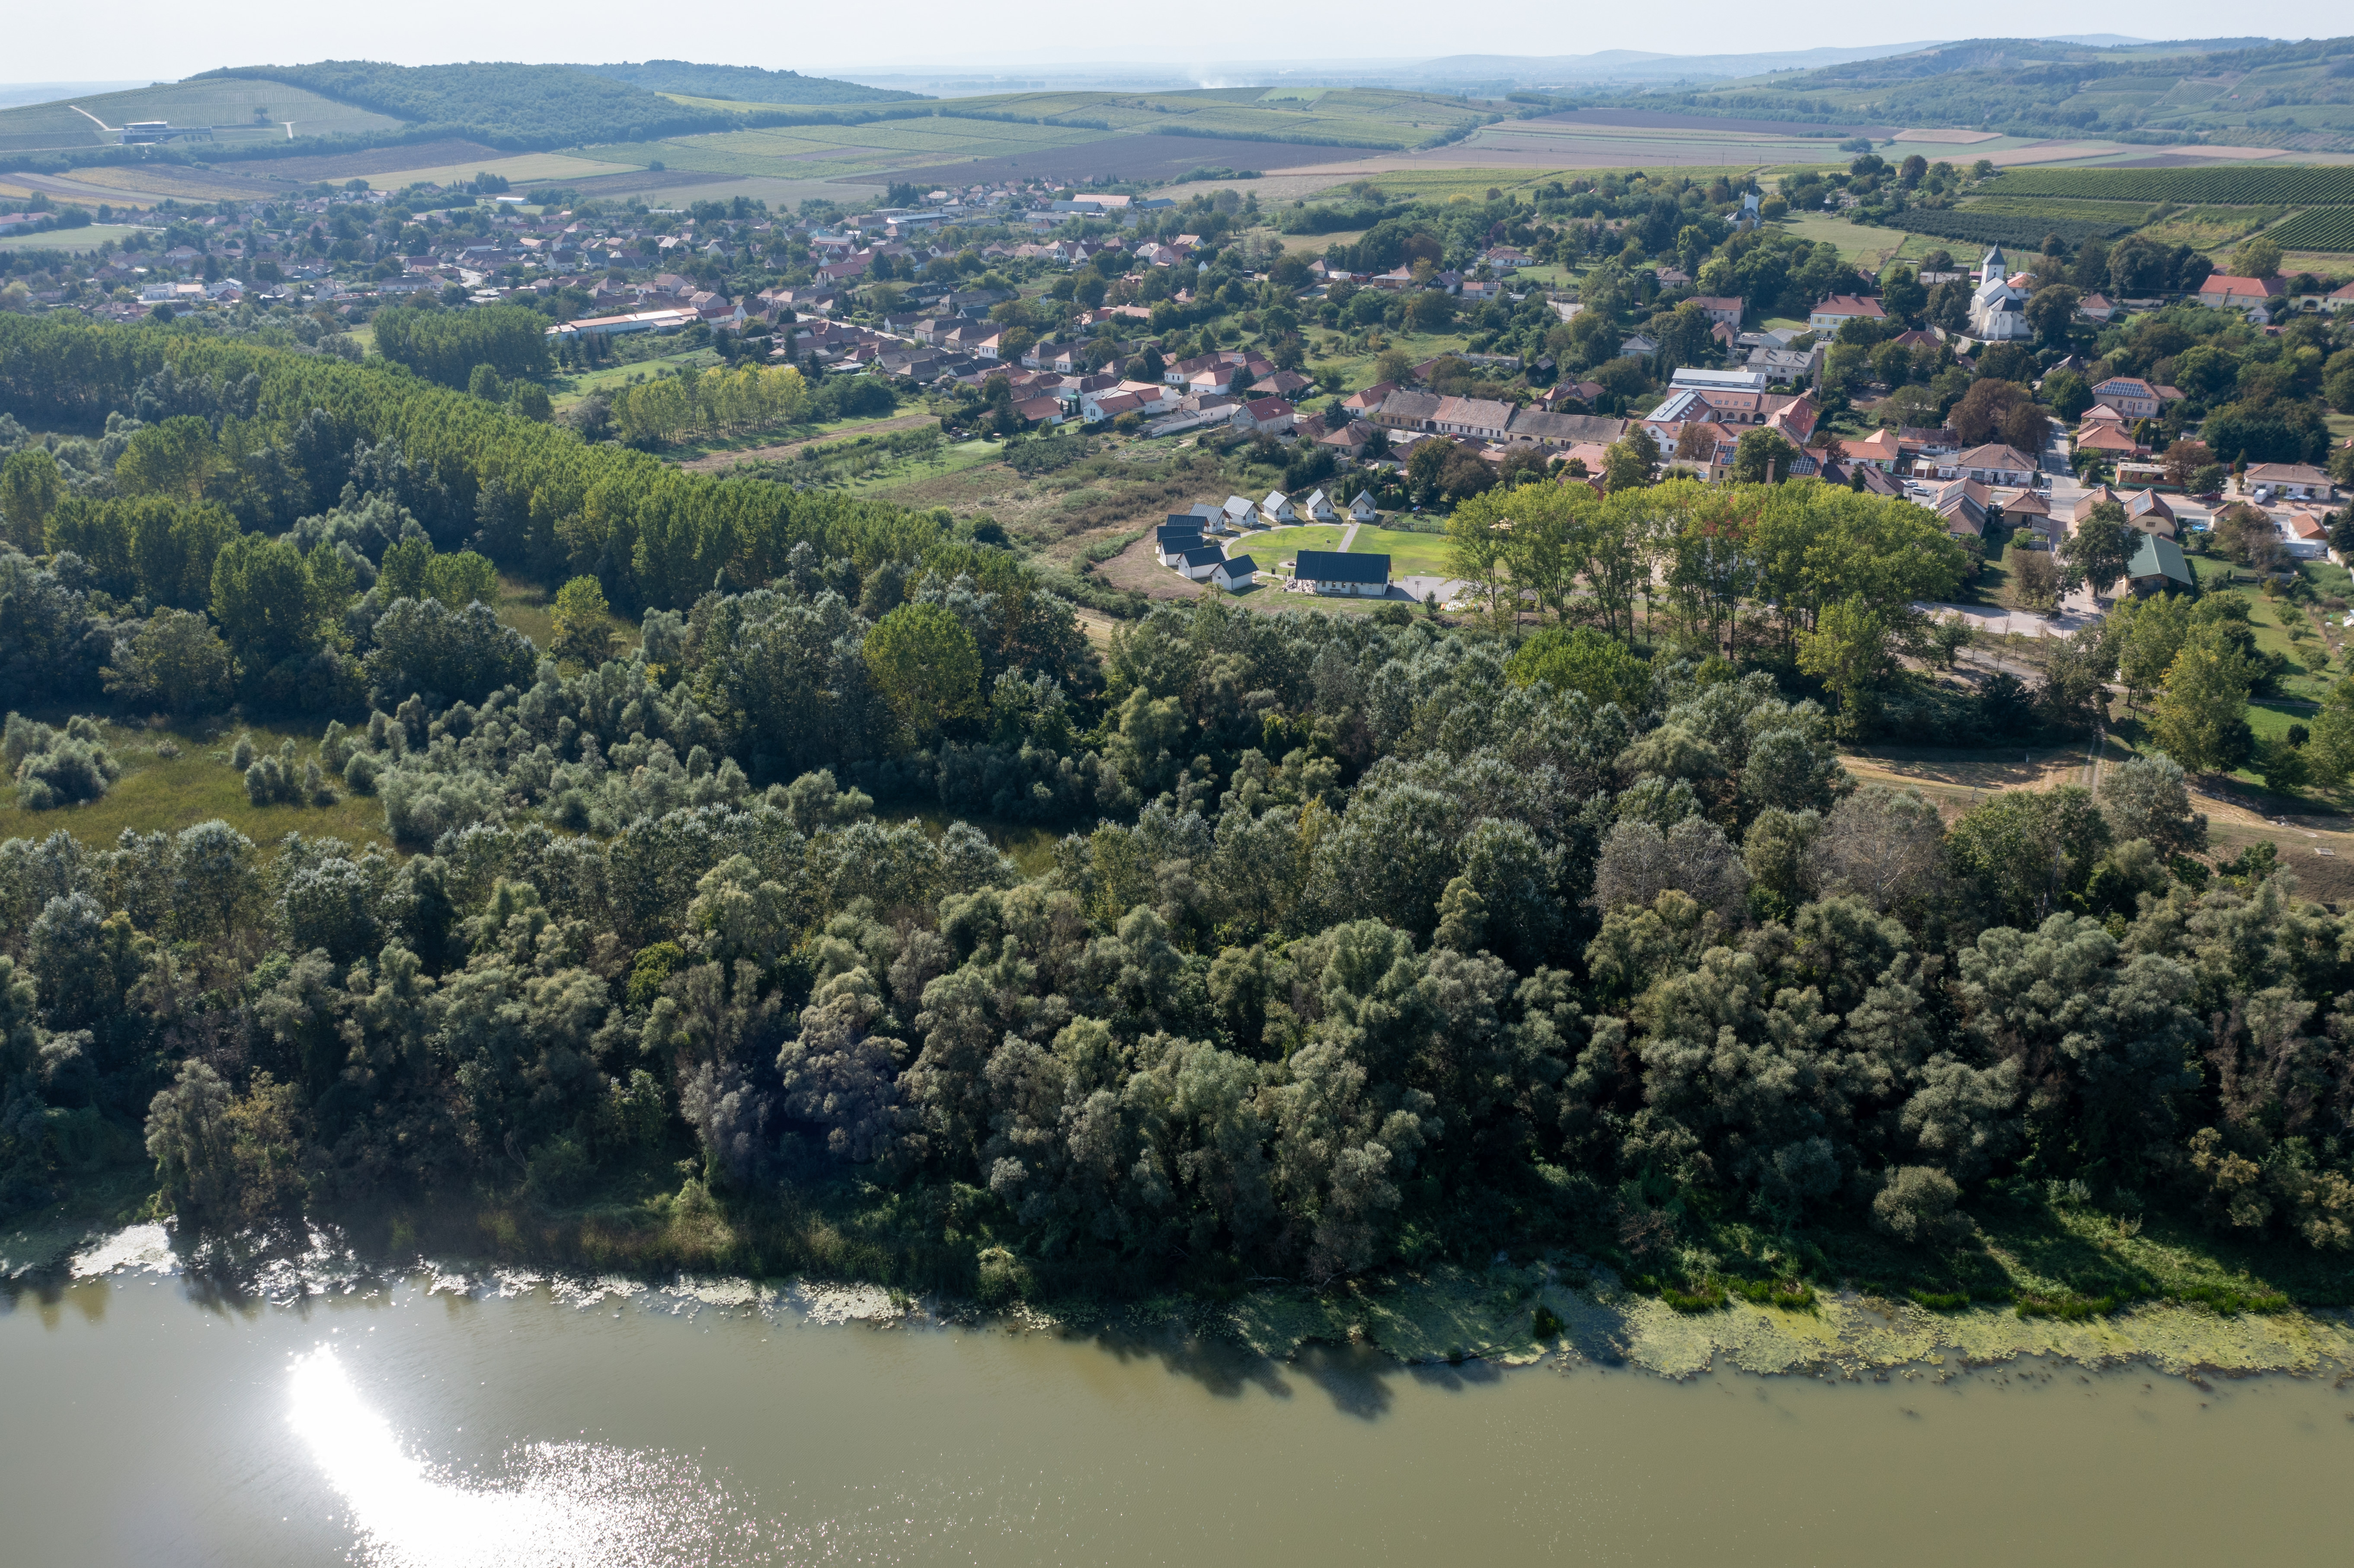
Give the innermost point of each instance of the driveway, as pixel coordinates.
(1995, 621)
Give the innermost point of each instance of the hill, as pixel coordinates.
(2245, 90)
(745, 84)
(243, 108)
(520, 107)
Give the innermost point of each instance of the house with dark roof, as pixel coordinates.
(2157, 565)
(1338, 572)
(1234, 574)
(1200, 561)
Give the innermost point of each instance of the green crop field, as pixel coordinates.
(2285, 185)
(215, 100)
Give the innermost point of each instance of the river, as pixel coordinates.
(392, 1423)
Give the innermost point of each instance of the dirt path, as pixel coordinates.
(719, 461)
(2317, 846)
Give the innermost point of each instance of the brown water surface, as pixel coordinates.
(393, 1426)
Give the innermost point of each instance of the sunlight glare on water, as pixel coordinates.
(568, 1505)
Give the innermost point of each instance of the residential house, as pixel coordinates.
(2097, 307)
(2108, 441)
(1236, 512)
(1414, 412)
(2257, 297)
(1368, 401)
(2148, 511)
(2158, 566)
(1200, 561)
(1264, 415)
(1639, 346)
(1040, 411)
(1481, 290)
(1338, 572)
(2028, 509)
(1835, 313)
(1723, 310)
(1234, 574)
(1563, 430)
(1963, 504)
(1347, 440)
(1786, 366)
(1995, 463)
(1482, 419)
(1318, 508)
(2130, 395)
(1277, 509)
(1363, 509)
(2292, 480)
(1174, 538)
(1880, 449)
(2304, 535)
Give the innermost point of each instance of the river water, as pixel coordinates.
(142, 1421)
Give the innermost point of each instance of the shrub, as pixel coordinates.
(1918, 1206)
(57, 767)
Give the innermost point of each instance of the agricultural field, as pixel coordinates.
(2273, 183)
(1130, 157)
(540, 168)
(2318, 229)
(1968, 226)
(2209, 228)
(228, 101)
(177, 182)
(2132, 214)
(71, 239)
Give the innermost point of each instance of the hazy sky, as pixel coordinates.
(145, 38)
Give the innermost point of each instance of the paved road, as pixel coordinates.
(1348, 536)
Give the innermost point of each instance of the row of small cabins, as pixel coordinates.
(1186, 544)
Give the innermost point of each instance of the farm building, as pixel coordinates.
(1334, 572)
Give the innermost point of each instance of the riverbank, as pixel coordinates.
(1567, 1312)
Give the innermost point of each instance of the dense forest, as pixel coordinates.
(1361, 940)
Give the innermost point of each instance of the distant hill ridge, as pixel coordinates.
(522, 107)
(744, 84)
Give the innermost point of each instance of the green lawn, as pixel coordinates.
(567, 390)
(1274, 547)
(1411, 554)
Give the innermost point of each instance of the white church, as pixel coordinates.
(1998, 309)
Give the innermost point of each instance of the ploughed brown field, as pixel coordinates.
(1141, 157)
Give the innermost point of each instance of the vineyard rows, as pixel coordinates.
(2324, 185)
(2323, 228)
(2005, 229)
